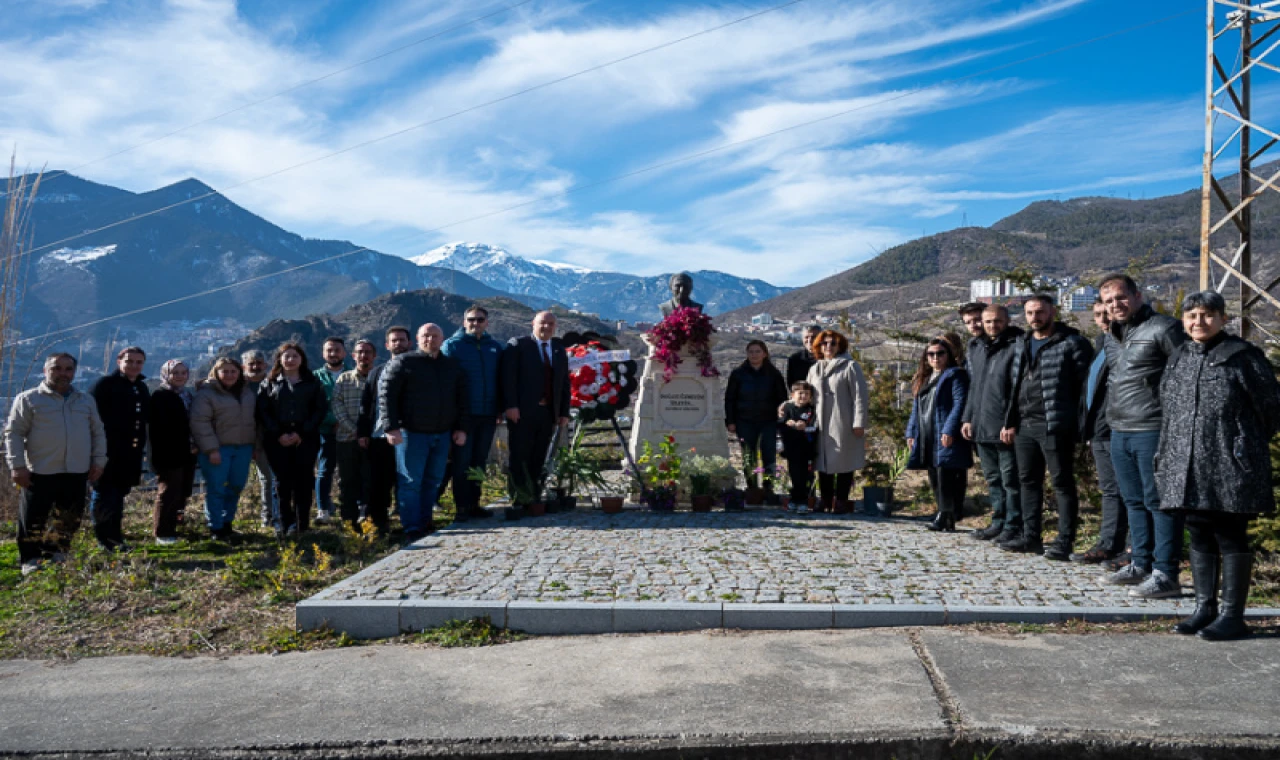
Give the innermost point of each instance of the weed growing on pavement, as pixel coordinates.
(476, 632)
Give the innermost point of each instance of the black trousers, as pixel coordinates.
(295, 471)
(382, 482)
(835, 486)
(1036, 452)
(948, 489)
(800, 468)
(353, 481)
(62, 496)
(1219, 532)
(474, 453)
(530, 438)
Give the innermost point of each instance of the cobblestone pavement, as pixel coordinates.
(755, 557)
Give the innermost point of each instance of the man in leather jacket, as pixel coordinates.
(1142, 342)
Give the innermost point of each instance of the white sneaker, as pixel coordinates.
(30, 566)
(166, 541)
(1157, 586)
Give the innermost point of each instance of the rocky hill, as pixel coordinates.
(508, 318)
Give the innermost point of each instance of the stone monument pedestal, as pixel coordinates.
(689, 407)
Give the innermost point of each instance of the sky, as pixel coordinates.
(790, 145)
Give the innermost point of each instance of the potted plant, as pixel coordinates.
(611, 498)
(659, 474)
(734, 500)
(524, 494)
(877, 495)
(782, 482)
(699, 477)
(573, 468)
(751, 472)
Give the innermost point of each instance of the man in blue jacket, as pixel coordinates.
(478, 354)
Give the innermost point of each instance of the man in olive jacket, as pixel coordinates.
(990, 361)
(1050, 365)
(55, 443)
(1142, 343)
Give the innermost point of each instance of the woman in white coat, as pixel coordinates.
(841, 397)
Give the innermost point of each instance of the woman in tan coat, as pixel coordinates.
(223, 425)
(841, 397)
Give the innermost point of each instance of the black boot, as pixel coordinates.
(1230, 624)
(1204, 576)
(943, 521)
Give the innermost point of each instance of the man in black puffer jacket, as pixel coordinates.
(421, 398)
(1142, 343)
(990, 389)
(1050, 366)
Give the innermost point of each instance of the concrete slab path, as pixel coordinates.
(902, 692)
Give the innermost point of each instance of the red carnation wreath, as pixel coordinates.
(599, 388)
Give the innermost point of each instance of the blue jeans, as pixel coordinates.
(223, 483)
(761, 437)
(421, 461)
(326, 465)
(1151, 530)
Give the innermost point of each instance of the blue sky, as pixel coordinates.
(83, 79)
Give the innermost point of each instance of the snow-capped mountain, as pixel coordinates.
(612, 295)
(200, 246)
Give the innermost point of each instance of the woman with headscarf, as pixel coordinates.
(1221, 405)
(223, 423)
(842, 406)
(173, 453)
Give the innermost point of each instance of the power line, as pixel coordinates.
(419, 125)
(616, 178)
(287, 90)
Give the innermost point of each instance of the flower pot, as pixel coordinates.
(784, 500)
(755, 497)
(611, 505)
(536, 509)
(702, 503)
(734, 501)
(568, 502)
(813, 503)
(877, 500)
(842, 507)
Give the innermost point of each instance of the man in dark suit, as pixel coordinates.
(535, 392)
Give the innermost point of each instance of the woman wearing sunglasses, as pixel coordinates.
(933, 432)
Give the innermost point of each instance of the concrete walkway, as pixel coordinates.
(587, 572)
(920, 693)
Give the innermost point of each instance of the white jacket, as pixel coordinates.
(49, 434)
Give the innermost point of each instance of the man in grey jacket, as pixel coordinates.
(1142, 343)
(55, 444)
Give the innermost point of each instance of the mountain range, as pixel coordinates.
(612, 295)
(177, 248)
(1085, 237)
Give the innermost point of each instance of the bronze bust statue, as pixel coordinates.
(681, 288)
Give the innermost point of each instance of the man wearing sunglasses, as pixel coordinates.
(1050, 367)
(478, 353)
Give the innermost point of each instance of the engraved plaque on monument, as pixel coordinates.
(683, 404)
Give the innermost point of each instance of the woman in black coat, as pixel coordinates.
(751, 399)
(291, 408)
(173, 455)
(1221, 407)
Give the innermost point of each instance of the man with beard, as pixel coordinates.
(1050, 366)
(990, 361)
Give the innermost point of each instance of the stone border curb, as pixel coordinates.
(377, 618)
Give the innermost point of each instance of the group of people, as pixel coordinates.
(1178, 416)
(390, 430)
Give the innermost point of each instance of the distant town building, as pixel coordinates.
(1079, 298)
(763, 318)
(995, 291)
